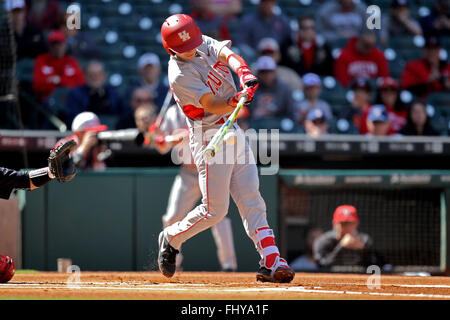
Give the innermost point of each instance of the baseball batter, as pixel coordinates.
(186, 192)
(203, 87)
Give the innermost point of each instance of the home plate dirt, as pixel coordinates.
(217, 285)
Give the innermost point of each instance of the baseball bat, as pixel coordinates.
(160, 117)
(216, 141)
(164, 108)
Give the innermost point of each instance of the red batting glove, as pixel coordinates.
(249, 92)
(160, 140)
(246, 78)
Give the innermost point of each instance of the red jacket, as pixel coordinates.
(416, 74)
(352, 64)
(47, 66)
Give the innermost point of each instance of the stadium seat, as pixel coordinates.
(56, 103)
(109, 120)
(284, 125)
(25, 70)
(439, 99)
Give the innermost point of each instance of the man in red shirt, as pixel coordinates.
(361, 59)
(55, 68)
(429, 74)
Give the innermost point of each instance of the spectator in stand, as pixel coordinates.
(209, 23)
(89, 153)
(79, 43)
(262, 24)
(269, 47)
(149, 68)
(438, 22)
(388, 96)
(306, 262)
(96, 95)
(140, 96)
(316, 123)
(360, 105)
(226, 8)
(399, 22)
(378, 123)
(344, 245)
(30, 41)
(273, 97)
(419, 123)
(428, 74)
(144, 116)
(313, 88)
(341, 19)
(44, 13)
(309, 53)
(55, 68)
(361, 59)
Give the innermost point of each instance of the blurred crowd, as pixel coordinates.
(294, 61)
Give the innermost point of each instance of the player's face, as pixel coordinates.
(188, 55)
(345, 227)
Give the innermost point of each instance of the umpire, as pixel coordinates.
(60, 167)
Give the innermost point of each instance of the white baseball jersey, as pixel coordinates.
(190, 80)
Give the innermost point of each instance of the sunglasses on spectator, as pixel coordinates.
(142, 100)
(307, 27)
(319, 121)
(391, 89)
(146, 118)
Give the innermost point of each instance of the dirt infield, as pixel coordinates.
(216, 285)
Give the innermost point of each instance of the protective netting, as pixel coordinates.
(405, 224)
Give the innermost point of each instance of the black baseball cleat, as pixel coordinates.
(281, 275)
(166, 257)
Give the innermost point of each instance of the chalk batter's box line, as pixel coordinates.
(77, 286)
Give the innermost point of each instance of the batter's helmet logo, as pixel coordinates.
(184, 35)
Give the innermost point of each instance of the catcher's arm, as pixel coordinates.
(60, 166)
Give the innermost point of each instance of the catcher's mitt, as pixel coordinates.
(60, 163)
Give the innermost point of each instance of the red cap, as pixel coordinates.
(388, 82)
(56, 36)
(345, 213)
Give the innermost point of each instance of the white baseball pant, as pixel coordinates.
(184, 195)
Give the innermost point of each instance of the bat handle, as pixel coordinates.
(210, 153)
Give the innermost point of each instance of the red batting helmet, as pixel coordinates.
(180, 33)
(345, 213)
(7, 269)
